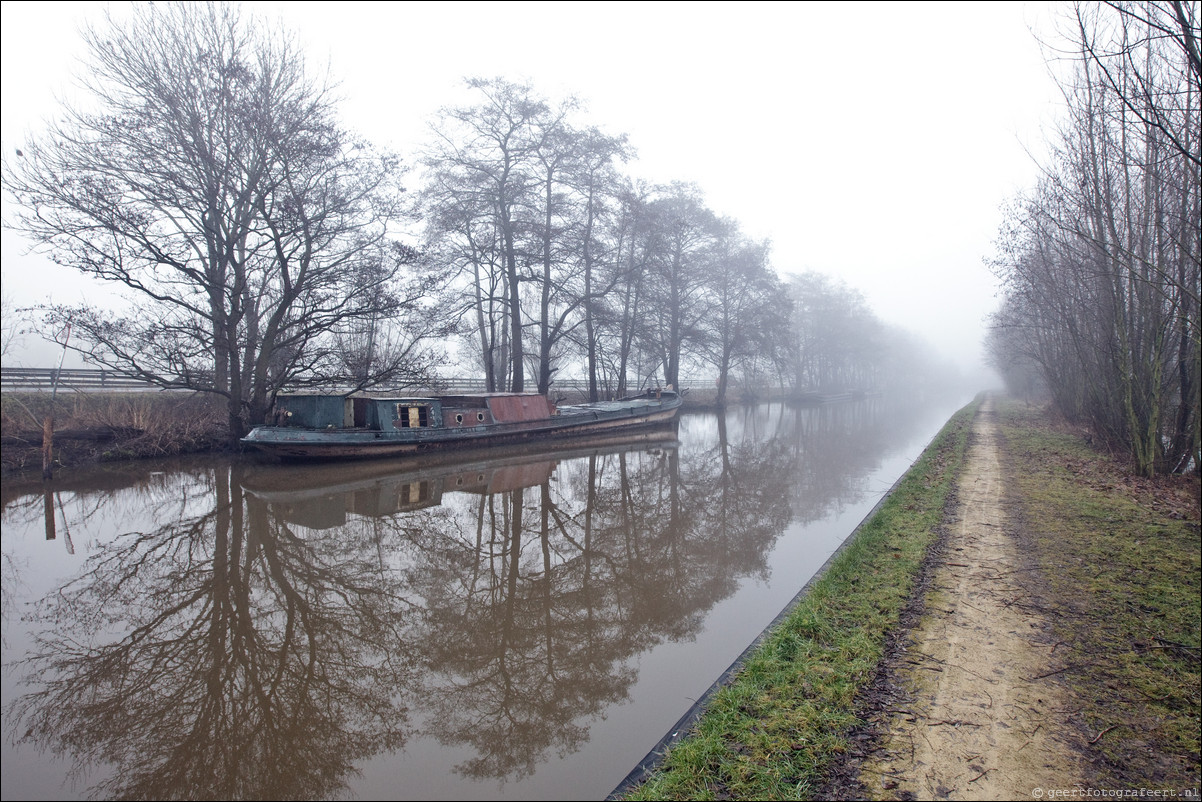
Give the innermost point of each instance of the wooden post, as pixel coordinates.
(48, 421)
(48, 504)
(48, 446)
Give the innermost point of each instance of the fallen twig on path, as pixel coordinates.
(1050, 673)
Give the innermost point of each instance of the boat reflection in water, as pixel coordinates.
(324, 496)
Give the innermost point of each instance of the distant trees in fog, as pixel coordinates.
(557, 258)
(260, 243)
(553, 258)
(1100, 261)
(838, 343)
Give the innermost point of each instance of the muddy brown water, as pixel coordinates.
(518, 626)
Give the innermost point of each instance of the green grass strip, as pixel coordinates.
(1122, 575)
(774, 729)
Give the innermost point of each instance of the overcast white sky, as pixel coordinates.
(874, 142)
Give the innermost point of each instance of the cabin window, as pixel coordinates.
(412, 416)
(414, 493)
(459, 418)
(480, 416)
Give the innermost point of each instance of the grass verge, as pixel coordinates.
(1120, 583)
(775, 729)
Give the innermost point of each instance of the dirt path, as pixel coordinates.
(982, 716)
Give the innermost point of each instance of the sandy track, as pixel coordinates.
(983, 717)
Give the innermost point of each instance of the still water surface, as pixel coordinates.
(517, 628)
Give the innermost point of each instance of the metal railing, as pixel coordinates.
(71, 379)
(90, 380)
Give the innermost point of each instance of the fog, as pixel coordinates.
(875, 143)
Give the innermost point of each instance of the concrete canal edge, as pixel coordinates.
(651, 761)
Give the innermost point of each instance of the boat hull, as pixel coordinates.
(570, 422)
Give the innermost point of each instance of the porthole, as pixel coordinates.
(459, 418)
(480, 416)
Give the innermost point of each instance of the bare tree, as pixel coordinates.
(580, 262)
(209, 179)
(559, 148)
(597, 186)
(483, 157)
(618, 335)
(465, 245)
(837, 345)
(749, 316)
(1139, 49)
(684, 234)
(1101, 263)
(517, 208)
(1010, 350)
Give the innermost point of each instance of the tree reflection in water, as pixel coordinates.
(251, 662)
(538, 599)
(266, 647)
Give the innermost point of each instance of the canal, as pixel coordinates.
(506, 626)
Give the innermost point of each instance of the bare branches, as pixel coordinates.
(208, 178)
(1102, 261)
